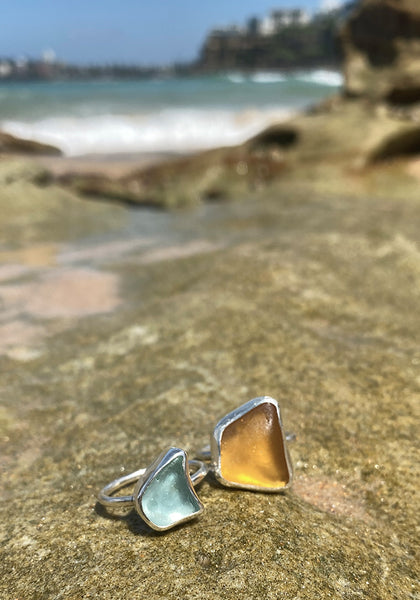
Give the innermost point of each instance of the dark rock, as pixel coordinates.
(277, 136)
(405, 142)
(404, 95)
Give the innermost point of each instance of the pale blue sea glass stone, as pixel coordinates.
(168, 498)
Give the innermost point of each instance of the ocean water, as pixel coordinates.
(159, 115)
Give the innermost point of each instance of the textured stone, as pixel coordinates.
(313, 298)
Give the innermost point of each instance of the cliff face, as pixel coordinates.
(381, 43)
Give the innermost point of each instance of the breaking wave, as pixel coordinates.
(262, 77)
(177, 115)
(322, 77)
(168, 130)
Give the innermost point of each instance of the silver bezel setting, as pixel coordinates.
(150, 473)
(217, 438)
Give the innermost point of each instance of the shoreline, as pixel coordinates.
(168, 116)
(163, 75)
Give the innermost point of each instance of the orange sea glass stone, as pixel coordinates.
(252, 451)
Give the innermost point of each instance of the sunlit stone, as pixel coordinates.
(252, 451)
(168, 498)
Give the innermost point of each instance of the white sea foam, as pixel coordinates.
(322, 77)
(261, 77)
(318, 77)
(267, 77)
(236, 77)
(177, 130)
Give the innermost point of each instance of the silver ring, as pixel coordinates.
(163, 494)
(248, 448)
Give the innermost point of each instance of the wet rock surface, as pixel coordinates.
(171, 321)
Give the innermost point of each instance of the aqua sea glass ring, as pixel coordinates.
(248, 448)
(163, 494)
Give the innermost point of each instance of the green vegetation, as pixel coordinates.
(298, 44)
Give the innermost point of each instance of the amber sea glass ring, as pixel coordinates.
(248, 448)
(163, 494)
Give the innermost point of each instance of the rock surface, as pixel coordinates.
(311, 298)
(381, 42)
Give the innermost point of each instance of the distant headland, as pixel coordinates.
(284, 39)
(281, 40)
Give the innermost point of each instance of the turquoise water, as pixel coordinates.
(176, 114)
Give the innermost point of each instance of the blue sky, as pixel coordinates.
(136, 31)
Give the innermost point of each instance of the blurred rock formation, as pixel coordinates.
(381, 43)
(9, 144)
